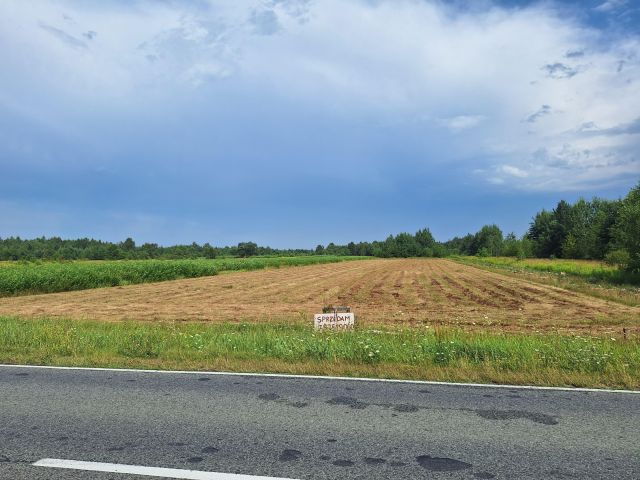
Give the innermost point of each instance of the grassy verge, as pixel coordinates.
(450, 355)
(582, 276)
(589, 270)
(23, 278)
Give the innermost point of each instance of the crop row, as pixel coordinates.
(48, 277)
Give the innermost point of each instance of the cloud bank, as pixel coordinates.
(388, 92)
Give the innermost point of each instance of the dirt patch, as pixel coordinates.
(390, 292)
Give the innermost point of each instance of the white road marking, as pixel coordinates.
(148, 471)
(321, 377)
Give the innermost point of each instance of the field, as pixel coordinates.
(434, 319)
(23, 278)
(383, 293)
(584, 276)
(588, 269)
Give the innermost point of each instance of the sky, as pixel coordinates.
(297, 122)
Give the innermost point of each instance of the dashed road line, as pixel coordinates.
(145, 471)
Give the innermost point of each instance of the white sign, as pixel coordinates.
(334, 321)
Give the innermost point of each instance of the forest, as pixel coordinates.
(596, 229)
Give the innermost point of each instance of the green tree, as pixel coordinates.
(247, 249)
(488, 241)
(562, 217)
(128, 244)
(541, 233)
(581, 220)
(208, 251)
(389, 247)
(627, 227)
(606, 213)
(570, 247)
(425, 239)
(406, 246)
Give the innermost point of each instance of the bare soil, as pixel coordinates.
(399, 292)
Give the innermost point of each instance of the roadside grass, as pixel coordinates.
(583, 276)
(415, 353)
(587, 269)
(24, 278)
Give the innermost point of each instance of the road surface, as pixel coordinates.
(303, 428)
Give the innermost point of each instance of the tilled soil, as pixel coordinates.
(381, 292)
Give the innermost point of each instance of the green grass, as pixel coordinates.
(23, 278)
(450, 355)
(586, 269)
(583, 276)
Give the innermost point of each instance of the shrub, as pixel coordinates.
(619, 258)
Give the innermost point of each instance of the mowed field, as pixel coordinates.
(402, 292)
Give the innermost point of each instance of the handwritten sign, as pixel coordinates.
(334, 321)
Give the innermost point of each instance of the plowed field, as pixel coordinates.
(399, 292)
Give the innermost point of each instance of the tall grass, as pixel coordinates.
(22, 278)
(588, 270)
(414, 353)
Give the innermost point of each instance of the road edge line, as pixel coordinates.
(323, 377)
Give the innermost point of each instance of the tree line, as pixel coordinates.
(596, 229)
(56, 248)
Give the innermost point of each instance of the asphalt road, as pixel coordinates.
(310, 428)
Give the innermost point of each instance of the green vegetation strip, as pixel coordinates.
(587, 270)
(24, 278)
(450, 355)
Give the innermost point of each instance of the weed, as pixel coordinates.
(546, 359)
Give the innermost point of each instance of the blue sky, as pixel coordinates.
(297, 122)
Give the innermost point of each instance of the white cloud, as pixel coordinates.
(611, 5)
(541, 112)
(394, 60)
(514, 171)
(200, 74)
(461, 122)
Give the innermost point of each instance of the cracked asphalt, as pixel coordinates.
(304, 428)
